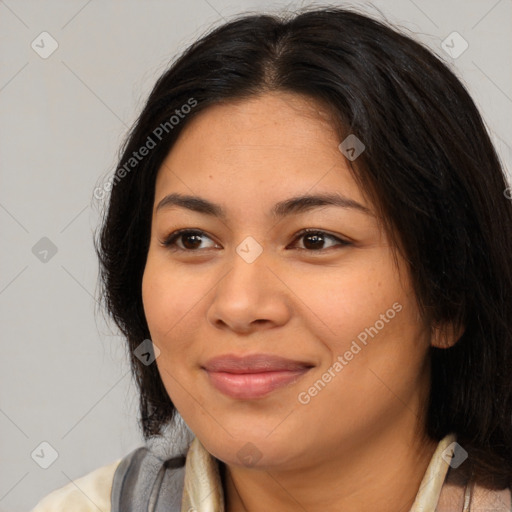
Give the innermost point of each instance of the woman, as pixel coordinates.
(307, 247)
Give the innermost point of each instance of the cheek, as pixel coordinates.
(345, 300)
(174, 301)
(169, 301)
(367, 316)
(167, 296)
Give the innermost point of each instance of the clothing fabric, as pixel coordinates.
(203, 492)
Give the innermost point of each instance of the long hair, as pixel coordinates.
(429, 167)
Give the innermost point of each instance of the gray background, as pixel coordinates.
(63, 372)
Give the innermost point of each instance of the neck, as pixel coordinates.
(381, 473)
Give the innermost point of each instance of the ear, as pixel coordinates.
(446, 335)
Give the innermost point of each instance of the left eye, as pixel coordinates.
(191, 240)
(315, 239)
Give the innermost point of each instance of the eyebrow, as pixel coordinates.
(292, 206)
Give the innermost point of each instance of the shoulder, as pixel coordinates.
(474, 498)
(85, 494)
(484, 499)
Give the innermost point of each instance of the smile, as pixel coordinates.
(254, 376)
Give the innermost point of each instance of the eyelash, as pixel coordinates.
(170, 240)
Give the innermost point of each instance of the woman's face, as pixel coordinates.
(320, 342)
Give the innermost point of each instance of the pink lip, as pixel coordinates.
(253, 376)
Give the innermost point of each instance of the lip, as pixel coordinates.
(253, 376)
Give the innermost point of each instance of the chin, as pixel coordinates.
(252, 450)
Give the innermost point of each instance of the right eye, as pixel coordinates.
(187, 240)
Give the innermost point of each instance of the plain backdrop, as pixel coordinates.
(64, 374)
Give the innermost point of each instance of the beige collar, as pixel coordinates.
(203, 487)
(433, 479)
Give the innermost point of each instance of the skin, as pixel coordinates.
(360, 443)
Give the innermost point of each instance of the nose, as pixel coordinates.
(250, 297)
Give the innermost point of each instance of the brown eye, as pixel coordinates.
(191, 240)
(314, 240)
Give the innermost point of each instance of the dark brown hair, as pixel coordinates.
(429, 167)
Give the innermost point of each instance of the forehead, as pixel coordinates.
(269, 146)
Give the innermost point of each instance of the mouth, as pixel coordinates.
(253, 376)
